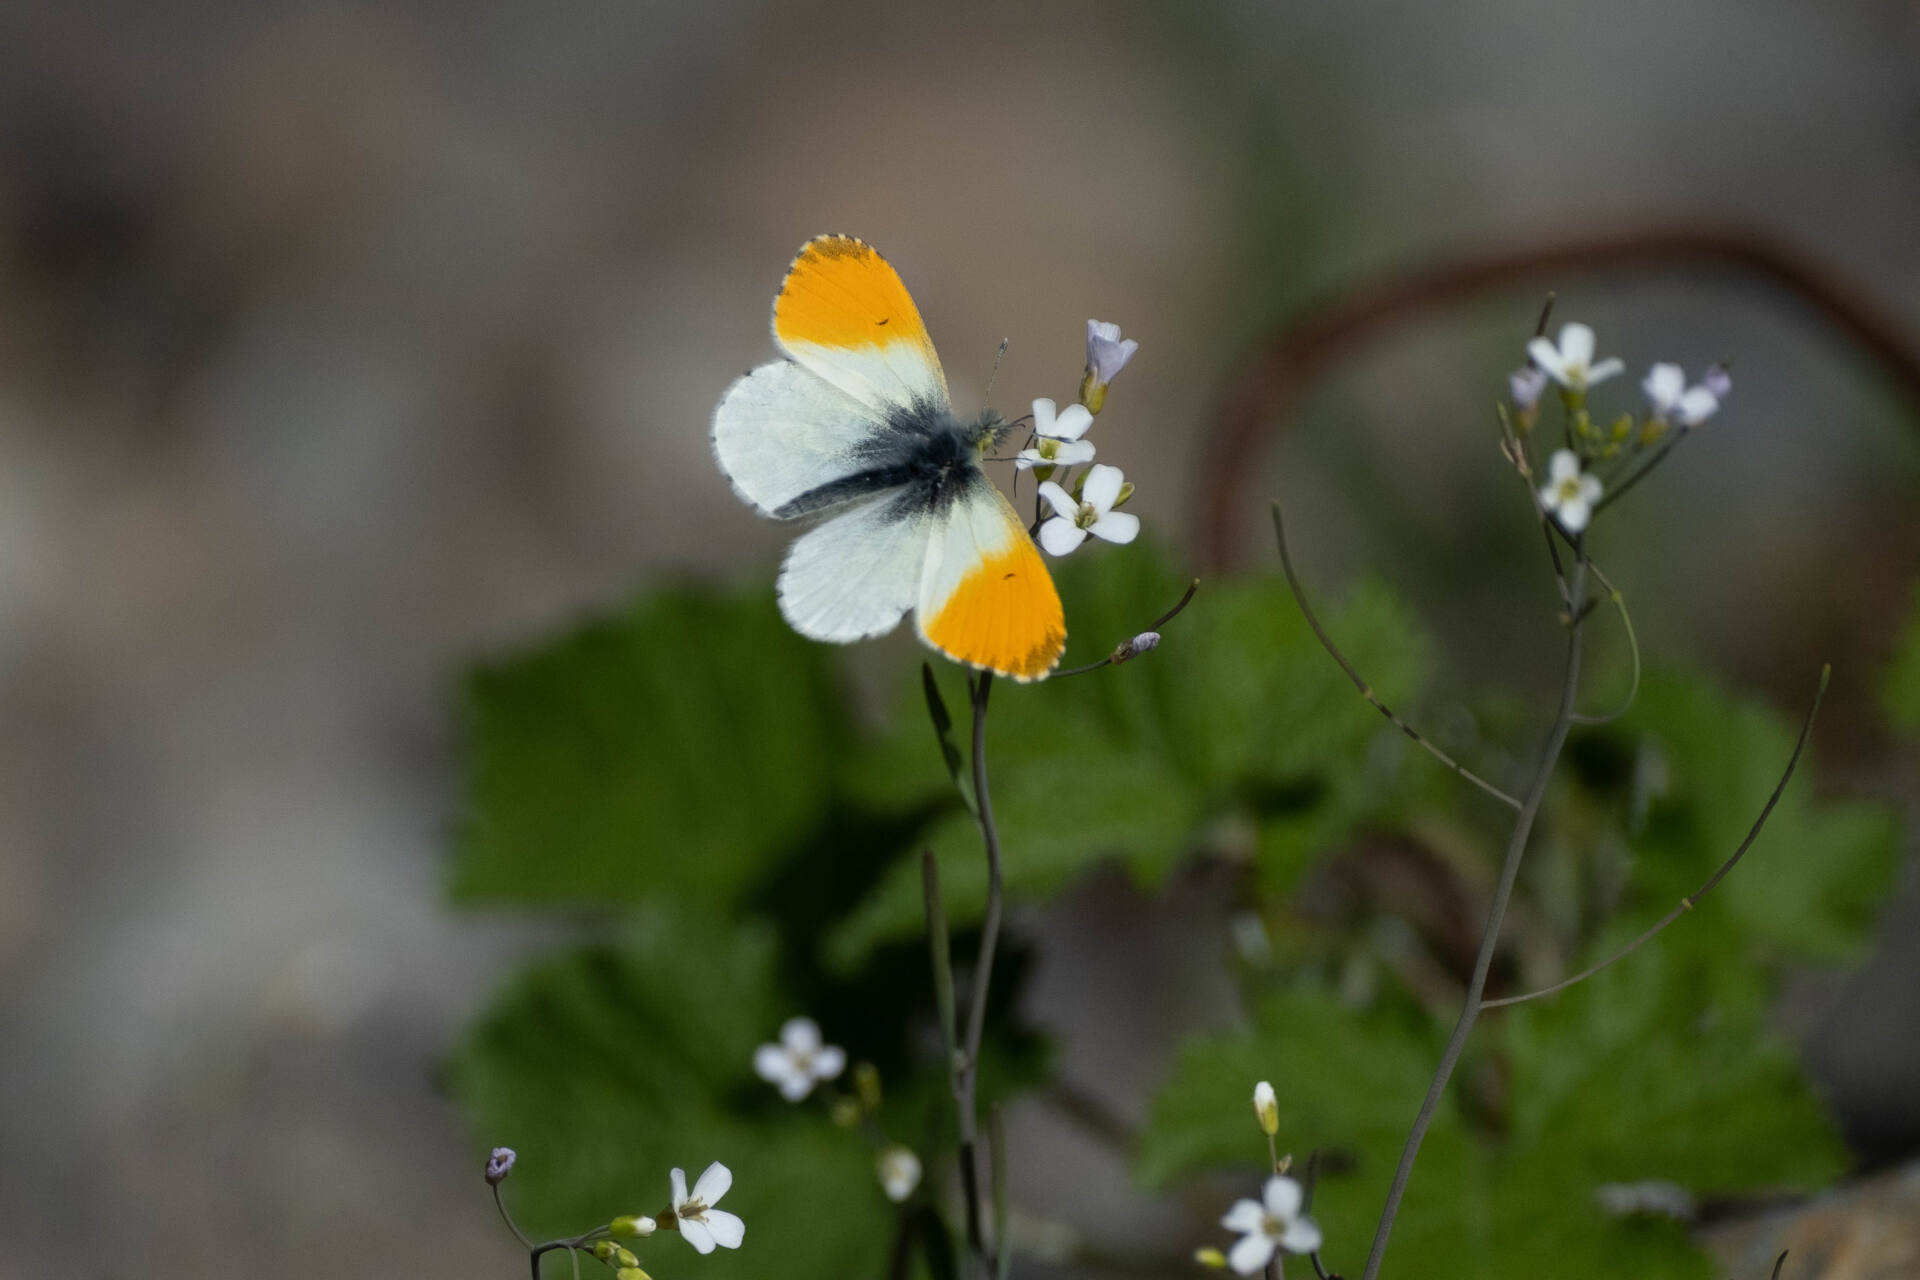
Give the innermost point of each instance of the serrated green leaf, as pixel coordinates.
(668, 752)
(610, 1064)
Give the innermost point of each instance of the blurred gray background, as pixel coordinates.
(342, 344)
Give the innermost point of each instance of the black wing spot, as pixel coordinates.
(880, 321)
(1008, 577)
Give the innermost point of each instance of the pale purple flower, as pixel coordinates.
(1107, 351)
(499, 1165)
(1526, 386)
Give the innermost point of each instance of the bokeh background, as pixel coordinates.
(341, 345)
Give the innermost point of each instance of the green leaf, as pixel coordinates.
(666, 753)
(608, 1065)
(1237, 718)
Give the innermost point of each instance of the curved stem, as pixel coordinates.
(1366, 690)
(1693, 900)
(1496, 914)
(507, 1218)
(1619, 600)
(977, 998)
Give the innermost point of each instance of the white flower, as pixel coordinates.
(703, 1225)
(1274, 1220)
(1672, 400)
(799, 1061)
(1571, 363)
(1057, 434)
(1569, 493)
(1094, 513)
(1107, 352)
(899, 1171)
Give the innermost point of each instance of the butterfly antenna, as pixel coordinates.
(998, 357)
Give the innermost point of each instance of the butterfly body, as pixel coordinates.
(856, 428)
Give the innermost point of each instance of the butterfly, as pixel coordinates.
(855, 426)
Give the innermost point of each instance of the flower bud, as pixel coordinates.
(866, 1084)
(633, 1225)
(499, 1165)
(1526, 386)
(1266, 1108)
(631, 1273)
(845, 1113)
(1210, 1257)
(899, 1171)
(1107, 354)
(1145, 642)
(1718, 381)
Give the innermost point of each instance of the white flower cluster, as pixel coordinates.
(1573, 491)
(1059, 445)
(800, 1062)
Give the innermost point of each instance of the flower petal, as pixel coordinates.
(1697, 405)
(1102, 488)
(1245, 1215)
(1574, 514)
(697, 1235)
(1301, 1236)
(1250, 1253)
(1576, 344)
(802, 1035)
(728, 1231)
(713, 1183)
(829, 1062)
(796, 1085)
(1564, 465)
(1663, 386)
(772, 1063)
(1061, 536)
(1547, 356)
(1043, 416)
(1590, 488)
(1607, 368)
(1072, 423)
(1060, 500)
(1282, 1196)
(679, 1180)
(1074, 452)
(1027, 459)
(1117, 526)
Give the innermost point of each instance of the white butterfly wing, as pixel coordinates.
(854, 576)
(780, 433)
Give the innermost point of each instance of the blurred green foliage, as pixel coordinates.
(739, 847)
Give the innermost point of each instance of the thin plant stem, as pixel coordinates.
(1122, 653)
(968, 1078)
(1496, 915)
(1366, 690)
(1002, 1237)
(1693, 900)
(507, 1218)
(942, 954)
(1659, 456)
(1619, 600)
